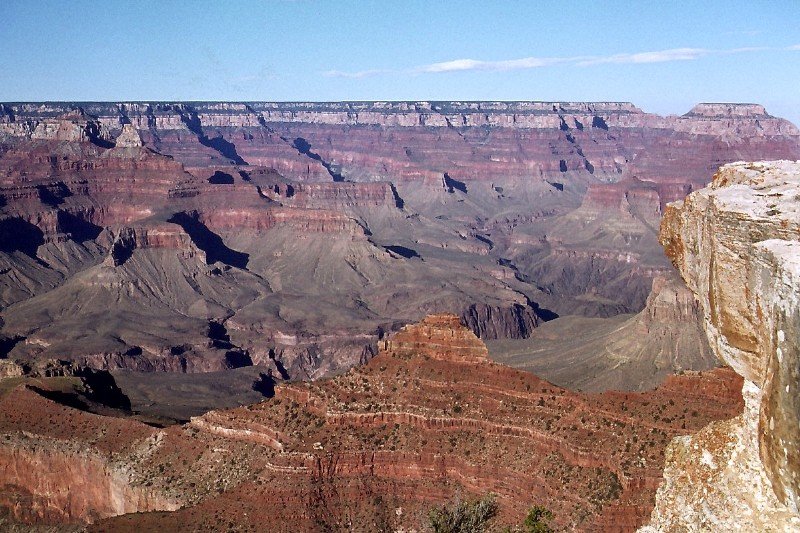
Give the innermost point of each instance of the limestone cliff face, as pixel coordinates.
(737, 245)
(129, 137)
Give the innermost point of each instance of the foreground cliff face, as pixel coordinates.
(68, 466)
(428, 419)
(737, 245)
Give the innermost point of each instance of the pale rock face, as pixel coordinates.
(737, 246)
(715, 481)
(70, 127)
(129, 137)
(729, 110)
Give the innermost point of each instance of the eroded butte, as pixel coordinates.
(428, 418)
(295, 236)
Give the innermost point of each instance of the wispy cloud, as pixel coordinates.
(466, 64)
(355, 75)
(660, 56)
(510, 64)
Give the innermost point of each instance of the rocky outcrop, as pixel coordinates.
(302, 220)
(492, 322)
(73, 125)
(737, 245)
(636, 353)
(670, 302)
(86, 489)
(128, 138)
(428, 417)
(439, 337)
(52, 472)
(128, 239)
(333, 194)
(730, 120)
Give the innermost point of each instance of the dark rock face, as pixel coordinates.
(626, 352)
(308, 228)
(488, 322)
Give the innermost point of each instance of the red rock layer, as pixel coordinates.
(464, 189)
(439, 337)
(426, 419)
(57, 464)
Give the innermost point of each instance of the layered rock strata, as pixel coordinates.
(428, 419)
(624, 353)
(309, 229)
(737, 245)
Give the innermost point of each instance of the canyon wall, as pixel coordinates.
(47, 481)
(59, 465)
(310, 230)
(427, 419)
(635, 353)
(737, 245)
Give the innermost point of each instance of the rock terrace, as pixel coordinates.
(410, 428)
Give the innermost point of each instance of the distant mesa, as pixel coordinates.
(732, 110)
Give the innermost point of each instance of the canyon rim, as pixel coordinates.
(367, 266)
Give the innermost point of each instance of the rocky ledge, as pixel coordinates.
(737, 245)
(438, 337)
(428, 419)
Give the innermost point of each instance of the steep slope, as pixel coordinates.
(737, 245)
(622, 353)
(176, 252)
(309, 230)
(427, 419)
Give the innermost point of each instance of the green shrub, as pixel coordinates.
(463, 516)
(538, 520)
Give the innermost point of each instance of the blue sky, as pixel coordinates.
(663, 56)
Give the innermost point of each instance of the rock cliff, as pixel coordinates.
(737, 245)
(428, 418)
(624, 353)
(311, 229)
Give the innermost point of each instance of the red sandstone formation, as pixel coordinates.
(312, 229)
(437, 337)
(428, 418)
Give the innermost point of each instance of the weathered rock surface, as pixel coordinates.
(128, 137)
(428, 418)
(438, 337)
(737, 245)
(310, 230)
(59, 465)
(622, 353)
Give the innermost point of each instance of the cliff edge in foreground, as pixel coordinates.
(737, 245)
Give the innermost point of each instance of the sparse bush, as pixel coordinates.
(463, 516)
(538, 520)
